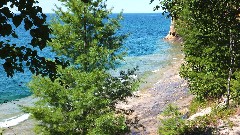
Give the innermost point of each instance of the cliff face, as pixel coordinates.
(172, 35)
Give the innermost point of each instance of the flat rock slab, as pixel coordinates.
(149, 103)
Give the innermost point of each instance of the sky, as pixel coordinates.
(128, 6)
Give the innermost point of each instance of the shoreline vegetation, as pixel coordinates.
(157, 91)
(211, 48)
(162, 87)
(210, 71)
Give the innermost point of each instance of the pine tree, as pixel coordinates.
(83, 97)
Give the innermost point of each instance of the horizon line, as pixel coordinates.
(119, 12)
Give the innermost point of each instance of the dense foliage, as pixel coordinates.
(210, 30)
(83, 97)
(16, 56)
(211, 34)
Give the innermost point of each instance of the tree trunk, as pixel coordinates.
(231, 45)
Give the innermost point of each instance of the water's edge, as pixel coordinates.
(16, 116)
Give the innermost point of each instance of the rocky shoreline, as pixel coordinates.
(166, 87)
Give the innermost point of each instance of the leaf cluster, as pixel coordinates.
(170, 7)
(16, 55)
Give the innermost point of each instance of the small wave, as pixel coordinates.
(14, 121)
(154, 71)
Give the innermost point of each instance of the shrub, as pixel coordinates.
(172, 122)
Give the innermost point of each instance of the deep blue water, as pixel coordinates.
(145, 48)
(145, 30)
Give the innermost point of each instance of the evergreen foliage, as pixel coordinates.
(89, 28)
(83, 97)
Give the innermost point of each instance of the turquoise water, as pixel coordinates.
(145, 48)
